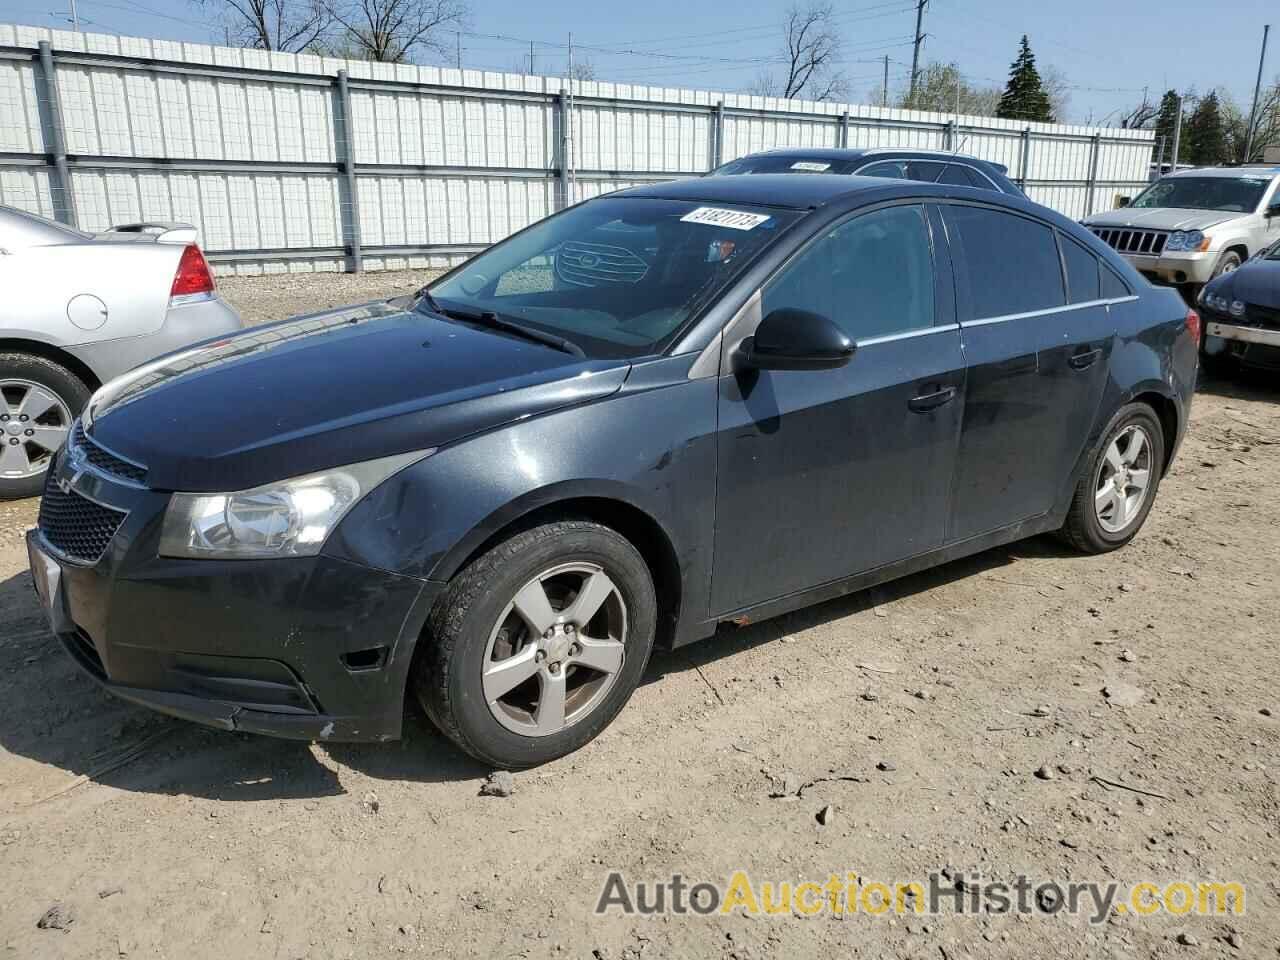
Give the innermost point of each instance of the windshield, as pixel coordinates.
(616, 277)
(788, 163)
(1228, 194)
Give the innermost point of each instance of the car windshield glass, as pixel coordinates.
(1229, 194)
(790, 163)
(615, 277)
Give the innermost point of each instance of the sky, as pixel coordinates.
(1109, 50)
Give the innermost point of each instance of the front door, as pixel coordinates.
(823, 474)
(1037, 364)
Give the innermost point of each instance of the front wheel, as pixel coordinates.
(535, 646)
(1118, 488)
(38, 401)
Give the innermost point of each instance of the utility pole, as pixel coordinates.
(1177, 136)
(915, 54)
(75, 23)
(531, 58)
(1257, 88)
(458, 39)
(884, 90)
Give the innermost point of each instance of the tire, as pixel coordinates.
(1228, 262)
(24, 377)
(1089, 528)
(477, 623)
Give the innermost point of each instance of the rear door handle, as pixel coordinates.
(1084, 360)
(931, 401)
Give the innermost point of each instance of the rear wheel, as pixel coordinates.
(1116, 492)
(38, 401)
(536, 645)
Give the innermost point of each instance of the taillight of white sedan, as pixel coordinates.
(79, 309)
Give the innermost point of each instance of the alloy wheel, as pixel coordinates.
(1124, 479)
(556, 650)
(34, 423)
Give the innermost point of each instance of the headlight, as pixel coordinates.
(289, 518)
(1237, 308)
(1216, 301)
(1189, 240)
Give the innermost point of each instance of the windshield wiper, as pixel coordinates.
(491, 319)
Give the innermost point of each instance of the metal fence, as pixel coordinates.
(293, 162)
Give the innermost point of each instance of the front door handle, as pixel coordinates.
(1085, 359)
(931, 401)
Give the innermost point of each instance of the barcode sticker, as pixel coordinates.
(719, 217)
(812, 166)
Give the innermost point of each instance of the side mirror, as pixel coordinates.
(1274, 209)
(1123, 202)
(796, 340)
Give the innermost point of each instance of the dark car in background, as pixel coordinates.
(1241, 312)
(498, 498)
(897, 163)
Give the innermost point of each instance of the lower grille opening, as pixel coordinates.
(370, 659)
(82, 648)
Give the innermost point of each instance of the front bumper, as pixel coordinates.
(307, 648)
(1252, 346)
(1175, 269)
(1229, 331)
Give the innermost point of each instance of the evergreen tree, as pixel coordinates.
(1205, 134)
(1167, 119)
(1024, 97)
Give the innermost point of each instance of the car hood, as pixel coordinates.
(1257, 283)
(1164, 218)
(326, 390)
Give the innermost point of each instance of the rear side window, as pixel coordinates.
(1113, 288)
(1012, 261)
(1082, 271)
(895, 169)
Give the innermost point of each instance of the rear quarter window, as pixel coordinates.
(1113, 287)
(1083, 271)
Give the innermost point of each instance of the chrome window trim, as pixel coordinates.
(908, 334)
(1065, 308)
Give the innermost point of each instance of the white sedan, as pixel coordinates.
(77, 309)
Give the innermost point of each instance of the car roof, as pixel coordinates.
(837, 153)
(1261, 170)
(767, 189)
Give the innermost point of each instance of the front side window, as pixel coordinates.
(618, 276)
(872, 275)
(1228, 194)
(1012, 261)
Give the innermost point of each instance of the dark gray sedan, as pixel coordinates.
(713, 400)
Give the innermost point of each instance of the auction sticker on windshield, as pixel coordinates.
(812, 166)
(719, 217)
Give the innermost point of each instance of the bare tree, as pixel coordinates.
(810, 56)
(941, 88)
(393, 31)
(1141, 116)
(290, 26)
(1266, 124)
(1054, 83)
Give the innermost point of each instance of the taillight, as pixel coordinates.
(1193, 325)
(194, 275)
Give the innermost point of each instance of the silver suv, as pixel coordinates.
(1194, 225)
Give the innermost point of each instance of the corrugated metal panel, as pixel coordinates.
(475, 154)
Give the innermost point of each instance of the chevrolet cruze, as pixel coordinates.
(653, 412)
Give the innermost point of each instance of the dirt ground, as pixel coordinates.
(939, 697)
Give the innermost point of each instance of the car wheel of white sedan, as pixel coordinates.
(39, 400)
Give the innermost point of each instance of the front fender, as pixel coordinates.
(649, 447)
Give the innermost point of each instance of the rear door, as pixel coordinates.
(1037, 345)
(827, 473)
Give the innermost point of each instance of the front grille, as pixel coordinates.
(592, 264)
(1268, 317)
(1144, 242)
(105, 460)
(76, 527)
